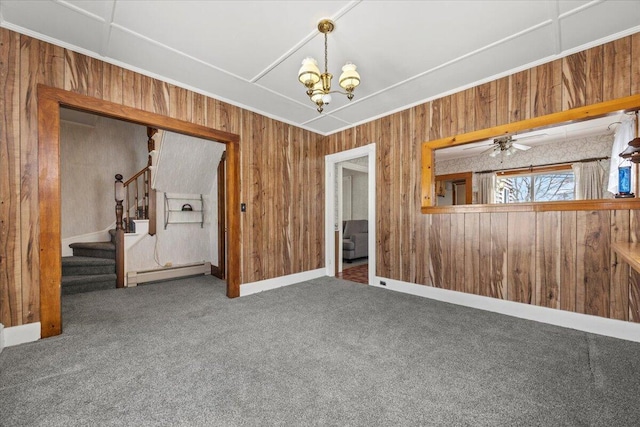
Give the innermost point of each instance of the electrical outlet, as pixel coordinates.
(383, 283)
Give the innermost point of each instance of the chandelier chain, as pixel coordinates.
(326, 67)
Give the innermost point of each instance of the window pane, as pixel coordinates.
(514, 189)
(544, 187)
(554, 186)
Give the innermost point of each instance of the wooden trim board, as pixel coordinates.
(49, 102)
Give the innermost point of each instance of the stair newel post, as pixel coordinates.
(151, 147)
(119, 195)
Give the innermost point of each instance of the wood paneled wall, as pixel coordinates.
(282, 173)
(282, 168)
(561, 260)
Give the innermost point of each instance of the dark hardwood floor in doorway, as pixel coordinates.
(358, 274)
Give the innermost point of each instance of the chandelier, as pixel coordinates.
(319, 85)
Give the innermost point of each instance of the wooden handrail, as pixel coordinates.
(136, 176)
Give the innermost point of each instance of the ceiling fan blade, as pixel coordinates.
(471, 147)
(520, 146)
(539, 135)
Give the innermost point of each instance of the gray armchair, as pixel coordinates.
(355, 239)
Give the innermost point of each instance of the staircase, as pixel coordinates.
(92, 267)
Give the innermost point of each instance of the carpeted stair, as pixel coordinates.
(92, 267)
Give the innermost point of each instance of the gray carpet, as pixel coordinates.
(324, 352)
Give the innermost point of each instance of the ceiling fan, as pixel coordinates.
(506, 145)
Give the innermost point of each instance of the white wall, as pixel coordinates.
(186, 168)
(359, 194)
(90, 157)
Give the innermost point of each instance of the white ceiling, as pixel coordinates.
(248, 52)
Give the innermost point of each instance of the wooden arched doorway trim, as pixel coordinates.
(49, 102)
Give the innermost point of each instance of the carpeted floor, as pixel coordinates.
(323, 352)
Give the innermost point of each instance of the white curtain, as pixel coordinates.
(589, 180)
(486, 185)
(623, 135)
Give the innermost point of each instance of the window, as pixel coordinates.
(535, 185)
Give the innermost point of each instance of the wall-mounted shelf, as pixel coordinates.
(175, 212)
(629, 252)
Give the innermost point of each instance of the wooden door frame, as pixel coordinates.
(49, 102)
(222, 218)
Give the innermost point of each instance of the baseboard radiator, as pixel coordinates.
(165, 273)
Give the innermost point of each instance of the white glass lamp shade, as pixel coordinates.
(317, 92)
(326, 98)
(494, 153)
(349, 79)
(309, 73)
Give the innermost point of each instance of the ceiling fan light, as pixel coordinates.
(494, 153)
(349, 79)
(309, 73)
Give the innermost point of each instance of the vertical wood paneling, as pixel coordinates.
(440, 255)
(574, 84)
(521, 256)
(568, 261)
(471, 253)
(420, 131)
(271, 160)
(383, 215)
(519, 105)
(457, 260)
(593, 275)
(131, 89)
(445, 117)
(112, 83)
(435, 119)
(180, 103)
(619, 300)
(318, 204)
(498, 280)
(485, 273)
(485, 107)
(502, 102)
(458, 110)
(155, 95)
(634, 296)
(634, 276)
(594, 70)
(287, 206)
(546, 96)
(199, 109)
(635, 60)
(10, 240)
(617, 69)
(407, 163)
(76, 72)
(394, 198)
(548, 259)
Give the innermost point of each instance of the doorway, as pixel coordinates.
(333, 220)
(50, 100)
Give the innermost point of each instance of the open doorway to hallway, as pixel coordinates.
(353, 214)
(350, 214)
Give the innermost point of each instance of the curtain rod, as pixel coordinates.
(591, 159)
